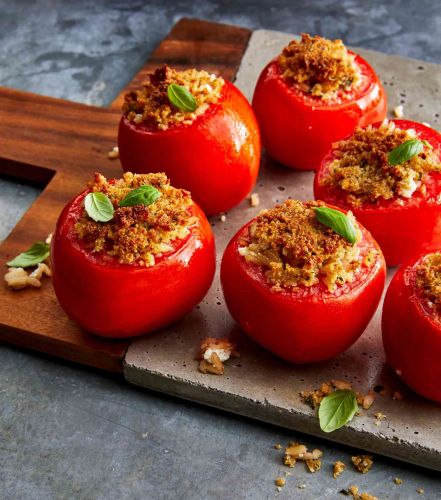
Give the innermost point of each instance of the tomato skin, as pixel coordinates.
(120, 300)
(217, 157)
(401, 230)
(411, 334)
(310, 326)
(298, 133)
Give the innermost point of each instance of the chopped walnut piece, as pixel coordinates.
(114, 153)
(17, 279)
(339, 468)
(363, 463)
(213, 353)
(254, 200)
(313, 465)
(280, 481)
(341, 385)
(42, 269)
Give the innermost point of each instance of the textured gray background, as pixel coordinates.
(70, 432)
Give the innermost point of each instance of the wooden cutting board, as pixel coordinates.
(60, 144)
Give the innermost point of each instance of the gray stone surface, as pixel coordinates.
(68, 432)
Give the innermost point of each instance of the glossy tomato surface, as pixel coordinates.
(216, 158)
(122, 300)
(412, 334)
(306, 324)
(298, 130)
(402, 229)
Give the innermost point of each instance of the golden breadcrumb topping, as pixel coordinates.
(297, 250)
(429, 280)
(320, 67)
(150, 105)
(137, 234)
(361, 168)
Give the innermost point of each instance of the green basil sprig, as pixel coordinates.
(181, 98)
(37, 253)
(338, 222)
(98, 207)
(405, 152)
(337, 409)
(144, 195)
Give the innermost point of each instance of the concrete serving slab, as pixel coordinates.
(259, 385)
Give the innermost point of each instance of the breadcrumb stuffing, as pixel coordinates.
(339, 468)
(361, 168)
(151, 106)
(295, 249)
(320, 67)
(428, 281)
(363, 463)
(138, 234)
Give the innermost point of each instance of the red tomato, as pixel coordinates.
(401, 230)
(298, 130)
(305, 324)
(412, 333)
(122, 300)
(216, 157)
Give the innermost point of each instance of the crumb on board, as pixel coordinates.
(301, 486)
(354, 491)
(397, 480)
(254, 200)
(339, 468)
(420, 491)
(397, 396)
(48, 240)
(280, 481)
(278, 446)
(362, 463)
(113, 153)
(399, 111)
(17, 278)
(213, 353)
(223, 218)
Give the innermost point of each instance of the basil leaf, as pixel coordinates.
(181, 98)
(338, 222)
(405, 152)
(37, 253)
(144, 195)
(337, 409)
(98, 207)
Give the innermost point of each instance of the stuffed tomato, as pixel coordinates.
(197, 128)
(314, 93)
(298, 287)
(389, 175)
(131, 255)
(411, 324)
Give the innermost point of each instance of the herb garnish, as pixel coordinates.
(37, 253)
(405, 151)
(98, 207)
(337, 409)
(338, 222)
(143, 195)
(181, 98)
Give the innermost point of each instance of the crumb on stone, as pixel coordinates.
(399, 111)
(297, 451)
(278, 446)
(213, 353)
(254, 200)
(362, 463)
(397, 480)
(339, 468)
(397, 395)
(280, 481)
(420, 491)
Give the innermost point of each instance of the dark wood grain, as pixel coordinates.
(61, 144)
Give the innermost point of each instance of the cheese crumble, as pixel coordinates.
(361, 168)
(428, 280)
(151, 106)
(138, 234)
(320, 67)
(297, 250)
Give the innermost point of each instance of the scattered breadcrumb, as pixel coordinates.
(254, 200)
(339, 468)
(420, 491)
(397, 480)
(278, 446)
(223, 218)
(280, 481)
(368, 400)
(213, 353)
(48, 240)
(363, 463)
(297, 451)
(353, 490)
(301, 486)
(114, 153)
(397, 395)
(342, 385)
(399, 111)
